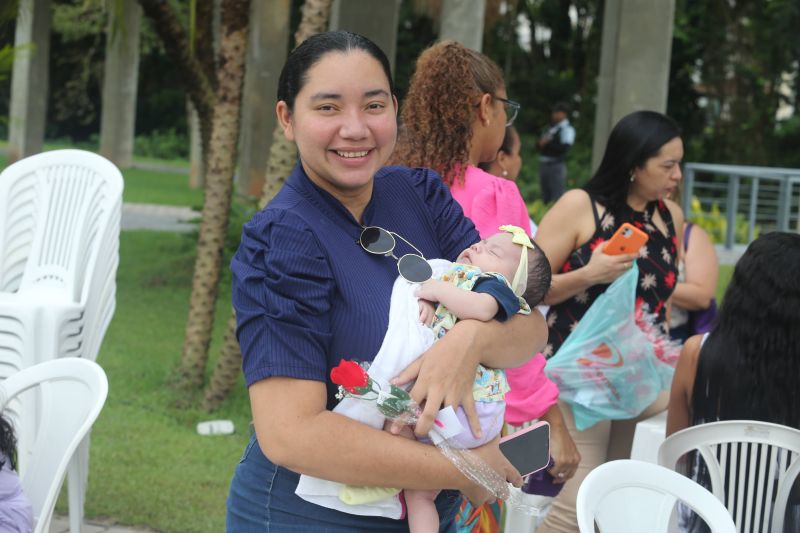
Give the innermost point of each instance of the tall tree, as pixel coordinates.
(283, 156)
(214, 85)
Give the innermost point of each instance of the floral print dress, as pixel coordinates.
(657, 262)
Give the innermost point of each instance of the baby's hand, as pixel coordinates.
(429, 290)
(426, 312)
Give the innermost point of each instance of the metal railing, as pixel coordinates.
(765, 195)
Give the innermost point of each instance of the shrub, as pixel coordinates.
(162, 144)
(716, 224)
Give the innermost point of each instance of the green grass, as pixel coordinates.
(148, 465)
(725, 273)
(160, 187)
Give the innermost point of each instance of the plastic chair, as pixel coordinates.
(634, 496)
(60, 217)
(59, 249)
(69, 394)
(760, 460)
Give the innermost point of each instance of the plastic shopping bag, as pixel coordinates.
(616, 360)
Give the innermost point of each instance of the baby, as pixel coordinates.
(487, 281)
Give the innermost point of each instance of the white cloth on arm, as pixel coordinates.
(406, 339)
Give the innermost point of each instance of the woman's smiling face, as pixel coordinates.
(344, 123)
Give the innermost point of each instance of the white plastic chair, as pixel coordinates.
(761, 462)
(70, 394)
(59, 250)
(634, 496)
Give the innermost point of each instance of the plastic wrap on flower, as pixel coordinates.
(392, 401)
(396, 404)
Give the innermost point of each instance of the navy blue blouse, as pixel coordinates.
(307, 295)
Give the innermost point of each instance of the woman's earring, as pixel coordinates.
(632, 177)
(505, 172)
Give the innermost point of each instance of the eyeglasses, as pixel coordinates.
(512, 109)
(378, 241)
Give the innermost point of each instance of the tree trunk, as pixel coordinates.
(221, 159)
(282, 157)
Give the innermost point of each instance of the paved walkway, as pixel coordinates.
(158, 217)
(60, 524)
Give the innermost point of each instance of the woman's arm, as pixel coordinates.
(292, 424)
(680, 397)
(445, 373)
(568, 224)
(701, 273)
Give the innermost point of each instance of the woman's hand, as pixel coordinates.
(490, 453)
(566, 457)
(444, 376)
(604, 268)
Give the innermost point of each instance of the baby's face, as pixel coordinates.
(495, 254)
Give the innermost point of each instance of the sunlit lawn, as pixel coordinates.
(148, 465)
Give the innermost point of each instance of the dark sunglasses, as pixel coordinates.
(378, 241)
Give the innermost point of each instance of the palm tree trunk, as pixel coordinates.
(220, 165)
(282, 157)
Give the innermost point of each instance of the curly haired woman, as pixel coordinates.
(454, 117)
(16, 515)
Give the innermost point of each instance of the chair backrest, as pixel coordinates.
(634, 496)
(752, 466)
(68, 394)
(56, 211)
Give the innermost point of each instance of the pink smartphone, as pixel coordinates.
(528, 449)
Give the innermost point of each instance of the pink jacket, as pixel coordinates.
(490, 201)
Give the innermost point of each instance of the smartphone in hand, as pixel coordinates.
(528, 449)
(626, 240)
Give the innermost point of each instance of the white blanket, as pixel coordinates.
(406, 339)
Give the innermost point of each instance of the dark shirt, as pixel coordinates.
(307, 295)
(507, 301)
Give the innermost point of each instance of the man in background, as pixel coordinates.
(554, 144)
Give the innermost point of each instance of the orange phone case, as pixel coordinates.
(626, 240)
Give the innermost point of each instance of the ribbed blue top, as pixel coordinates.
(307, 295)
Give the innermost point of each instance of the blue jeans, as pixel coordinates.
(262, 500)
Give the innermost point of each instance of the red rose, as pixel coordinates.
(350, 376)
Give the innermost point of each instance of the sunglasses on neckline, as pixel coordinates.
(412, 267)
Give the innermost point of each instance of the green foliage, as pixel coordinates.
(716, 225)
(162, 144)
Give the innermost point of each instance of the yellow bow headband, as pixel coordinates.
(518, 236)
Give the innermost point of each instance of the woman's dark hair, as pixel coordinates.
(8, 442)
(749, 365)
(306, 55)
(635, 139)
(508, 143)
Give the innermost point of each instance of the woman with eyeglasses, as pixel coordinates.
(453, 118)
(309, 290)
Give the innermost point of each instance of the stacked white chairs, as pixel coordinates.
(751, 465)
(61, 398)
(59, 251)
(635, 496)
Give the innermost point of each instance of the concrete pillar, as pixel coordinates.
(376, 20)
(120, 81)
(462, 21)
(29, 79)
(634, 63)
(267, 48)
